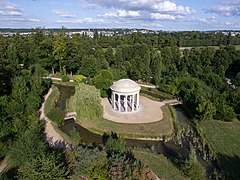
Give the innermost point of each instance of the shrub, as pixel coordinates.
(115, 145)
(79, 78)
(91, 162)
(53, 97)
(65, 78)
(192, 168)
(56, 115)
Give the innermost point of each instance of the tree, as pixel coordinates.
(220, 62)
(192, 168)
(13, 58)
(88, 66)
(103, 80)
(59, 50)
(109, 55)
(206, 110)
(87, 102)
(30, 145)
(115, 144)
(43, 167)
(156, 66)
(90, 162)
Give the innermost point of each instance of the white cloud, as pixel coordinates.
(108, 15)
(151, 24)
(226, 9)
(124, 13)
(87, 20)
(20, 19)
(159, 16)
(9, 9)
(11, 13)
(120, 13)
(142, 8)
(170, 7)
(217, 23)
(64, 14)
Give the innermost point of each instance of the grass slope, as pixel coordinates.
(223, 137)
(159, 164)
(160, 129)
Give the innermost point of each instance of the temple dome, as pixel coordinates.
(125, 86)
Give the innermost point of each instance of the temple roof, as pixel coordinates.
(125, 86)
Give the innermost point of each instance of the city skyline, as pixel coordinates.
(168, 15)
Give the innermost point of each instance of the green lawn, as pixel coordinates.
(159, 164)
(216, 47)
(160, 129)
(224, 139)
(155, 94)
(237, 47)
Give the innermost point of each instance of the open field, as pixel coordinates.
(215, 47)
(223, 138)
(159, 164)
(160, 129)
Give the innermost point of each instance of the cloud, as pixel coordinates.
(141, 8)
(151, 24)
(120, 13)
(159, 16)
(20, 19)
(170, 7)
(64, 14)
(217, 23)
(226, 9)
(9, 9)
(11, 13)
(87, 20)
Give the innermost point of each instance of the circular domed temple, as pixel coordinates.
(125, 95)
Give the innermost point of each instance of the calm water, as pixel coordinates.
(65, 93)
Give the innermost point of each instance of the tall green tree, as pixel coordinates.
(103, 80)
(59, 49)
(43, 167)
(88, 66)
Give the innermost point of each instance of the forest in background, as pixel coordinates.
(195, 75)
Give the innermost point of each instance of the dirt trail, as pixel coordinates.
(4, 164)
(53, 138)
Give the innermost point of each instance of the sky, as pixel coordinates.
(167, 15)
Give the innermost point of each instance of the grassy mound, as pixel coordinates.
(160, 129)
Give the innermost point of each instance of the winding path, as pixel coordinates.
(3, 164)
(53, 138)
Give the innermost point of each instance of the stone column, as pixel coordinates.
(133, 99)
(119, 99)
(113, 100)
(137, 100)
(125, 102)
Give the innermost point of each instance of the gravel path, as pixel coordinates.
(53, 138)
(3, 164)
